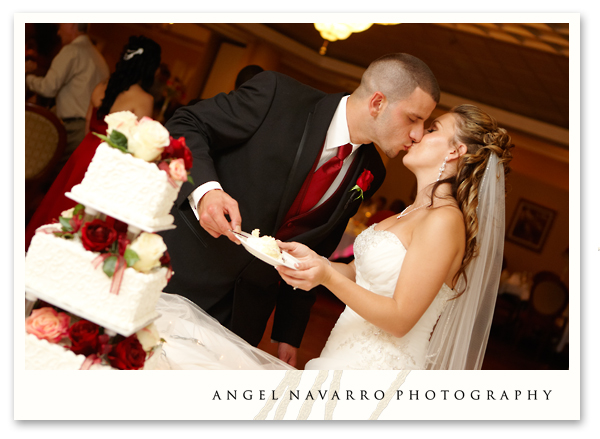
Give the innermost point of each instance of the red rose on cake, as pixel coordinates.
(97, 235)
(128, 354)
(84, 337)
(165, 260)
(177, 149)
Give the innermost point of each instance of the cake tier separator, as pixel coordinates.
(32, 295)
(109, 212)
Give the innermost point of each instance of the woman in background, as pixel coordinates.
(127, 89)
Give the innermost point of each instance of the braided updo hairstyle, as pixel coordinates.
(482, 136)
(137, 65)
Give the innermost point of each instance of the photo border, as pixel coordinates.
(190, 395)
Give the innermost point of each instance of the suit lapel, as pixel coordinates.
(310, 145)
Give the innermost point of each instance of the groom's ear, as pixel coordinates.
(377, 103)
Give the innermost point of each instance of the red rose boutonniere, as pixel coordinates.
(362, 184)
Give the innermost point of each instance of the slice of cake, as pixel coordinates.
(266, 244)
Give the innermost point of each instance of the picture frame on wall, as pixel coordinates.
(530, 225)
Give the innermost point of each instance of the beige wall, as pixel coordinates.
(551, 257)
(224, 70)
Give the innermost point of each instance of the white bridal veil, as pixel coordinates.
(460, 337)
(195, 340)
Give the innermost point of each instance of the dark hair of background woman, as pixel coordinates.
(140, 69)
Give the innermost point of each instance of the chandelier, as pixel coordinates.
(340, 31)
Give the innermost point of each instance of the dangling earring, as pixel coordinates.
(442, 169)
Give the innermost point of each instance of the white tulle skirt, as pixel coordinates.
(195, 340)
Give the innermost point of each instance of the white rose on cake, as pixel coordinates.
(148, 139)
(68, 213)
(149, 247)
(148, 337)
(122, 121)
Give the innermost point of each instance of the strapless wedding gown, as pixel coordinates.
(355, 343)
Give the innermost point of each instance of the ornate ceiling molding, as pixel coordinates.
(548, 37)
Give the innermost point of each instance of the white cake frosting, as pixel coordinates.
(128, 187)
(62, 270)
(43, 355)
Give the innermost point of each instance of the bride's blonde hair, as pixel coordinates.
(482, 136)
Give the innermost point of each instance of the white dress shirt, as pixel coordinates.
(337, 135)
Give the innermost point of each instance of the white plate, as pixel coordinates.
(288, 260)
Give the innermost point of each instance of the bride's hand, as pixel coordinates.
(311, 270)
(297, 250)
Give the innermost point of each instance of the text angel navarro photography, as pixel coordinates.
(378, 395)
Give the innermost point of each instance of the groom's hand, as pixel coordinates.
(287, 353)
(213, 207)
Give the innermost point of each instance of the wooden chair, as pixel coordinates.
(547, 303)
(45, 142)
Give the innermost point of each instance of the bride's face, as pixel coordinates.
(429, 153)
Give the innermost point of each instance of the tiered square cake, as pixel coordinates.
(101, 269)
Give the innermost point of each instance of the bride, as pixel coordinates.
(421, 291)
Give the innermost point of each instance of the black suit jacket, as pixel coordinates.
(259, 142)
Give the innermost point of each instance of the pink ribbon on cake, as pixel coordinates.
(48, 229)
(90, 361)
(120, 267)
(164, 167)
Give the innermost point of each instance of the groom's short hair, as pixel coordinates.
(397, 75)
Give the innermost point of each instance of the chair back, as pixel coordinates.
(549, 295)
(45, 142)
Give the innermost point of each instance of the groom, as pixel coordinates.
(285, 158)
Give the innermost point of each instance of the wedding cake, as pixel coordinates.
(101, 269)
(134, 186)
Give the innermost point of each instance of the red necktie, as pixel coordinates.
(323, 177)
